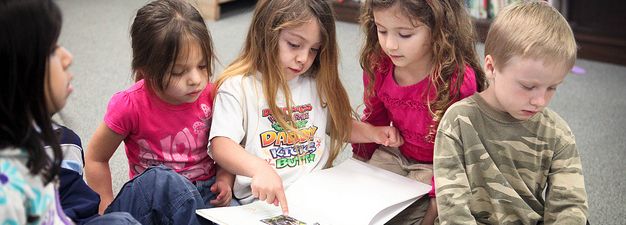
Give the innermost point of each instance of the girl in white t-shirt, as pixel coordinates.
(279, 99)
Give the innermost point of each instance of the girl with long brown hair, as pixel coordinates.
(418, 58)
(279, 99)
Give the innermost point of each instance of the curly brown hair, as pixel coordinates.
(453, 47)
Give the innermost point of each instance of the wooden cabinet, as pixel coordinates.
(210, 9)
(600, 29)
(347, 10)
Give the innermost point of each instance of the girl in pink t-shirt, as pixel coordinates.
(163, 119)
(418, 59)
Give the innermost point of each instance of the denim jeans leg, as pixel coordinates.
(160, 196)
(204, 188)
(117, 218)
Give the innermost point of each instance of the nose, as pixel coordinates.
(195, 77)
(540, 99)
(66, 58)
(302, 56)
(391, 43)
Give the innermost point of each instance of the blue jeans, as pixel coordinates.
(160, 196)
(117, 218)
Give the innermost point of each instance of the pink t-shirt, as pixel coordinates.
(407, 108)
(157, 132)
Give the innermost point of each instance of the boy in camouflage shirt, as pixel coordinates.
(497, 150)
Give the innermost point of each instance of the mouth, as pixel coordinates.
(529, 112)
(194, 93)
(295, 70)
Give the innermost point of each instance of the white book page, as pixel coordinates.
(250, 214)
(350, 193)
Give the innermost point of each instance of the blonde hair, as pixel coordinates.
(453, 47)
(530, 30)
(259, 55)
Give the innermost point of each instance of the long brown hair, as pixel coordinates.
(259, 55)
(453, 46)
(160, 30)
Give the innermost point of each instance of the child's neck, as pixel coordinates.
(410, 75)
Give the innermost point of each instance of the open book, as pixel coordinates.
(350, 193)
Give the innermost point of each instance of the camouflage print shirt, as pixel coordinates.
(492, 169)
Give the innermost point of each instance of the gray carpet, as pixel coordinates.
(97, 33)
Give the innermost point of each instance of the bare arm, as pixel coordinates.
(359, 132)
(225, 176)
(363, 132)
(100, 149)
(266, 184)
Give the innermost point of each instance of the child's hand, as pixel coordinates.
(387, 136)
(224, 193)
(268, 186)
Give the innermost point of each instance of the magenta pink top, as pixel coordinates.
(405, 107)
(159, 133)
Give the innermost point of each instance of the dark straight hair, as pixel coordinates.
(159, 31)
(29, 30)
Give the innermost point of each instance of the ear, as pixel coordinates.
(489, 67)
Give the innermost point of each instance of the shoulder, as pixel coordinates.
(469, 74)
(468, 87)
(555, 125)
(464, 107)
(16, 178)
(126, 97)
(460, 113)
(235, 83)
(68, 136)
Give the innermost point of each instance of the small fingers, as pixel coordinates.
(270, 198)
(282, 201)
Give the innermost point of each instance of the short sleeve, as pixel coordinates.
(228, 113)
(119, 116)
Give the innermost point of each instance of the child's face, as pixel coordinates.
(58, 87)
(523, 87)
(188, 77)
(407, 43)
(298, 48)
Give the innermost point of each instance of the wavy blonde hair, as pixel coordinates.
(453, 46)
(259, 55)
(546, 35)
